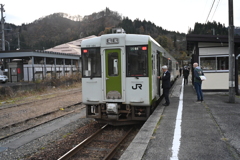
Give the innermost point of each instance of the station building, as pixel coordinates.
(212, 54)
(25, 65)
(33, 65)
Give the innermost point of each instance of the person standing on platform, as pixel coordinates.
(198, 82)
(185, 75)
(166, 85)
(180, 71)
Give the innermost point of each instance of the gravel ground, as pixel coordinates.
(28, 97)
(57, 149)
(23, 126)
(103, 143)
(40, 144)
(54, 144)
(39, 105)
(127, 142)
(21, 108)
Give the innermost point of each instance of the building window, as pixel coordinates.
(208, 63)
(216, 63)
(222, 63)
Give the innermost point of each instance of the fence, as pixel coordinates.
(40, 72)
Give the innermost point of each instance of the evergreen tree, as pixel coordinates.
(209, 28)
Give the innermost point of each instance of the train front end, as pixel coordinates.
(117, 80)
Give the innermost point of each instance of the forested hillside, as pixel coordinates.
(209, 28)
(173, 42)
(59, 28)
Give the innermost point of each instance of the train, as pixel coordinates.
(119, 77)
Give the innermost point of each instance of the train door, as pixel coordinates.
(238, 71)
(158, 73)
(113, 75)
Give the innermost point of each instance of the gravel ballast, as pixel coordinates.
(43, 142)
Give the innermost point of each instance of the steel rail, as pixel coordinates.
(78, 147)
(112, 152)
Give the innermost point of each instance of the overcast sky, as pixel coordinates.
(173, 15)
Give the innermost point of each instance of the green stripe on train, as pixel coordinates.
(150, 70)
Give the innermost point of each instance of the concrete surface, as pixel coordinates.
(209, 130)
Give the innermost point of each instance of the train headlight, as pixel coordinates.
(85, 51)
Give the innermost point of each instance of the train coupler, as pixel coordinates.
(112, 111)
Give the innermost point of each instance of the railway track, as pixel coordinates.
(23, 126)
(100, 145)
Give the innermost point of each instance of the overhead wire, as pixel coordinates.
(202, 15)
(215, 9)
(210, 11)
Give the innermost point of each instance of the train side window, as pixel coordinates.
(164, 61)
(91, 62)
(137, 61)
(113, 64)
(170, 65)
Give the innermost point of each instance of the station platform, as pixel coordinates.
(189, 130)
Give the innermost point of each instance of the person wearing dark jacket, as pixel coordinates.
(185, 75)
(180, 71)
(166, 85)
(198, 82)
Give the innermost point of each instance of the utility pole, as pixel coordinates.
(18, 42)
(2, 24)
(231, 54)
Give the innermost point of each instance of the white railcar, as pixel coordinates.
(119, 77)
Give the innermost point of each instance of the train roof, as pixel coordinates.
(124, 39)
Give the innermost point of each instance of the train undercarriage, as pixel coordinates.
(120, 114)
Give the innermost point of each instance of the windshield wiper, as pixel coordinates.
(91, 77)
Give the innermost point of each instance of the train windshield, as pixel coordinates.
(137, 61)
(91, 62)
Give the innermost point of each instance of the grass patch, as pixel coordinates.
(224, 139)
(64, 136)
(158, 124)
(35, 94)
